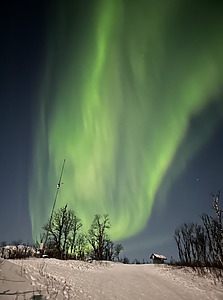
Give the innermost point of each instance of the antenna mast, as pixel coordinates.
(55, 200)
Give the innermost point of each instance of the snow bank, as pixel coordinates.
(70, 279)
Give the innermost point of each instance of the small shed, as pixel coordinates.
(158, 258)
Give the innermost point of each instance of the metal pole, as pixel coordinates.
(55, 200)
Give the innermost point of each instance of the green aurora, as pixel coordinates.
(120, 85)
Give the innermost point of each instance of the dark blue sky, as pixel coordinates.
(22, 28)
(21, 60)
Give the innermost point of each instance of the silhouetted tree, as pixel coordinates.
(81, 244)
(124, 260)
(202, 244)
(136, 261)
(74, 233)
(97, 236)
(108, 249)
(60, 232)
(16, 242)
(117, 249)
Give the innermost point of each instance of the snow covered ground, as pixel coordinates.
(57, 279)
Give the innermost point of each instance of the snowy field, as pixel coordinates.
(57, 279)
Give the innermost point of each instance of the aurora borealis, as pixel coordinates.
(119, 88)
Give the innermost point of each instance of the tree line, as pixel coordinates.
(64, 240)
(202, 244)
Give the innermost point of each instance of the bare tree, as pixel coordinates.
(81, 244)
(214, 233)
(202, 244)
(74, 233)
(60, 231)
(117, 249)
(199, 245)
(125, 260)
(178, 238)
(108, 249)
(97, 236)
(184, 239)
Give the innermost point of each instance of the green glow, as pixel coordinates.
(117, 103)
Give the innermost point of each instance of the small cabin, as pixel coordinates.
(158, 258)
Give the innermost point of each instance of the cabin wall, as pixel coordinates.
(158, 261)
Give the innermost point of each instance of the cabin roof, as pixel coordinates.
(157, 256)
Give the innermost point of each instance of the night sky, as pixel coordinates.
(130, 93)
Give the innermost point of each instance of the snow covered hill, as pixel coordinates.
(57, 279)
